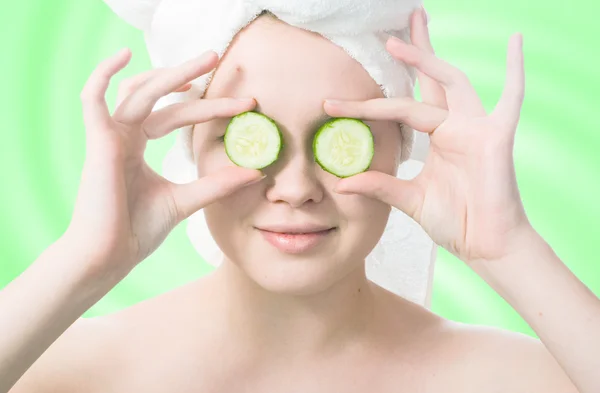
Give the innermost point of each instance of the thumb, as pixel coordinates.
(405, 195)
(193, 196)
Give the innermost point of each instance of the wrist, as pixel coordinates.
(88, 271)
(520, 241)
(529, 256)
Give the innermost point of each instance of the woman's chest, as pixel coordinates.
(191, 362)
(219, 374)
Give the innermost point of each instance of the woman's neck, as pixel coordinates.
(324, 321)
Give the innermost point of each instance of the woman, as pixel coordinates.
(272, 320)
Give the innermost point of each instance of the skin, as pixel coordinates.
(265, 321)
(296, 190)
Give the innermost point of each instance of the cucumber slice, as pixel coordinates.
(252, 140)
(344, 146)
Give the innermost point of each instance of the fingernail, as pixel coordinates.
(256, 180)
(425, 15)
(520, 40)
(340, 191)
(395, 41)
(333, 102)
(183, 88)
(247, 99)
(121, 52)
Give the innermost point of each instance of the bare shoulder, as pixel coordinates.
(100, 354)
(84, 353)
(499, 361)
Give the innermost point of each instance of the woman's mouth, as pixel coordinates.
(295, 243)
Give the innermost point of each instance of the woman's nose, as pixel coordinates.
(294, 181)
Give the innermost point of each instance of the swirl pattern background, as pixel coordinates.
(51, 47)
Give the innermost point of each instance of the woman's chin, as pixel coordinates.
(298, 271)
(294, 286)
(298, 277)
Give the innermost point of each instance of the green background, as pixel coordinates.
(51, 47)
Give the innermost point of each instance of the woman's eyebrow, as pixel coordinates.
(314, 123)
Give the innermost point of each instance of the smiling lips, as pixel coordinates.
(295, 243)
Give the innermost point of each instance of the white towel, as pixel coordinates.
(177, 30)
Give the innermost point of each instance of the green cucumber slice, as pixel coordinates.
(344, 146)
(253, 140)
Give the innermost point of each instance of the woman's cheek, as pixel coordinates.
(388, 140)
(361, 209)
(386, 158)
(365, 220)
(211, 158)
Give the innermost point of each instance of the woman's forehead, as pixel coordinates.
(289, 71)
(276, 62)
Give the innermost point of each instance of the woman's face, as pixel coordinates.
(290, 72)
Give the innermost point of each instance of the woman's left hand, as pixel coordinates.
(466, 196)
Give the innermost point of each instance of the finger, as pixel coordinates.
(460, 94)
(431, 91)
(508, 109)
(193, 196)
(172, 117)
(183, 88)
(128, 86)
(404, 195)
(140, 103)
(93, 94)
(417, 115)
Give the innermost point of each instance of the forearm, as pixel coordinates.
(38, 306)
(562, 311)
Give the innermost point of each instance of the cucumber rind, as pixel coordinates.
(368, 157)
(228, 145)
(333, 122)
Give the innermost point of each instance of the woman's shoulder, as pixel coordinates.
(476, 357)
(84, 353)
(106, 351)
(506, 360)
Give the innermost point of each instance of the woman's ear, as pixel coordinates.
(137, 13)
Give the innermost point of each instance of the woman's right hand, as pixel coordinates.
(125, 210)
